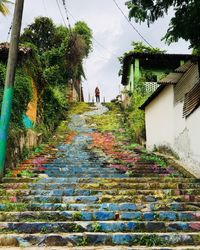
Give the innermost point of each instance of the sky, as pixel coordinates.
(112, 37)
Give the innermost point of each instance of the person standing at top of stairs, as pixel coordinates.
(97, 94)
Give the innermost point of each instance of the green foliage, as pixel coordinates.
(22, 93)
(184, 24)
(61, 51)
(83, 241)
(155, 159)
(135, 118)
(26, 173)
(85, 32)
(41, 33)
(149, 240)
(76, 228)
(77, 216)
(3, 7)
(139, 47)
(53, 107)
(8, 173)
(96, 227)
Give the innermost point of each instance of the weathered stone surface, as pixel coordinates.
(80, 196)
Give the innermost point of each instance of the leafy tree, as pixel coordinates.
(139, 47)
(3, 7)
(82, 29)
(185, 24)
(59, 52)
(41, 33)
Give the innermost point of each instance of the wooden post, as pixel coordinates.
(10, 77)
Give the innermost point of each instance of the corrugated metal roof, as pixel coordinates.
(171, 78)
(192, 100)
(185, 67)
(4, 49)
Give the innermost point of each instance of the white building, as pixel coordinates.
(172, 115)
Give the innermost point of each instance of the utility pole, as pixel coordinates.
(10, 77)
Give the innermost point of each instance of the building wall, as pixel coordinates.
(186, 130)
(166, 126)
(32, 106)
(160, 120)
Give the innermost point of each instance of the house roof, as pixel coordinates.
(185, 67)
(171, 79)
(192, 100)
(159, 60)
(4, 49)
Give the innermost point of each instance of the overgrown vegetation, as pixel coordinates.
(184, 24)
(22, 93)
(55, 58)
(110, 121)
(134, 116)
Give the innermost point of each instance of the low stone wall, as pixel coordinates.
(18, 143)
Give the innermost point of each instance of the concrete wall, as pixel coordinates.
(166, 126)
(160, 120)
(186, 130)
(32, 106)
(17, 143)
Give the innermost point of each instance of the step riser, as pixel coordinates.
(153, 207)
(85, 192)
(99, 239)
(100, 199)
(106, 180)
(99, 216)
(70, 227)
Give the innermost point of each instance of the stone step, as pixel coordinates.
(85, 192)
(105, 248)
(98, 198)
(100, 186)
(76, 169)
(94, 239)
(99, 180)
(98, 226)
(98, 215)
(85, 175)
(143, 207)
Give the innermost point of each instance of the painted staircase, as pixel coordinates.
(75, 200)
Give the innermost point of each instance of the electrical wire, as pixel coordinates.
(61, 13)
(66, 11)
(136, 30)
(94, 39)
(9, 31)
(45, 8)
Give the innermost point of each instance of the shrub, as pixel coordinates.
(22, 93)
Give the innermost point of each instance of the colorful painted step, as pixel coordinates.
(74, 198)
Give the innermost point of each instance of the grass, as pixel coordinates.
(83, 241)
(110, 121)
(96, 227)
(26, 173)
(149, 241)
(155, 159)
(77, 216)
(79, 108)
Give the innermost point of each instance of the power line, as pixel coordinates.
(95, 40)
(66, 11)
(45, 8)
(143, 38)
(61, 13)
(9, 31)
